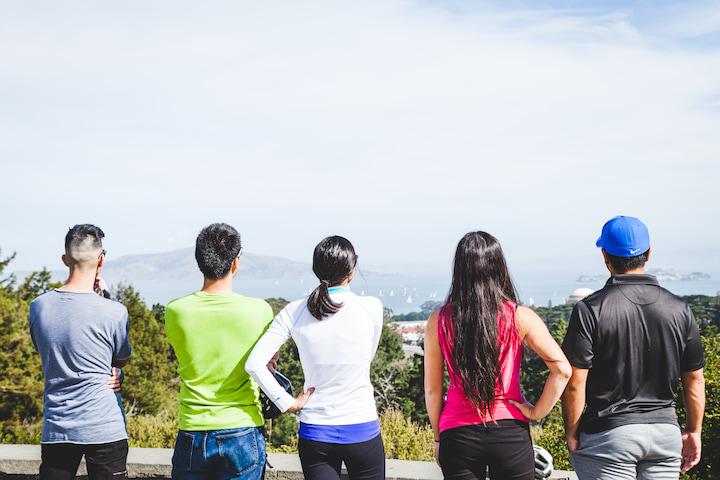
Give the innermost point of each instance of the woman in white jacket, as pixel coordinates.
(337, 334)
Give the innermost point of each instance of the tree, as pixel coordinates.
(428, 307)
(21, 382)
(151, 385)
(387, 369)
(6, 283)
(36, 284)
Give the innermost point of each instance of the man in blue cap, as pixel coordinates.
(629, 344)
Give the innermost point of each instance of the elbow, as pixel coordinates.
(120, 362)
(564, 371)
(432, 393)
(251, 367)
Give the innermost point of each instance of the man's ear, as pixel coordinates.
(101, 261)
(235, 266)
(65, 260)
(607, 261)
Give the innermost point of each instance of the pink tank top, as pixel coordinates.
(457, 410)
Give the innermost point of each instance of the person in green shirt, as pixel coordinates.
(212, 332)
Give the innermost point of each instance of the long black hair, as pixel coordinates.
(334, 260)
(481, 284)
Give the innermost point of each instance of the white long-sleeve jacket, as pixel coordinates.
(335, 354)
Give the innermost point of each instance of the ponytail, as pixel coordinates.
(334, 261)
(319, 302)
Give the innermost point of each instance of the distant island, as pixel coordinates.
(661, 274)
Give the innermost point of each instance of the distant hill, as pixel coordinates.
(180, 265)
(160, 277)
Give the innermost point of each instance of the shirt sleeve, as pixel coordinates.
(31, 323)
(693, 357)
(578, 343)
(121, 339)
(256, 365)
(378, 326)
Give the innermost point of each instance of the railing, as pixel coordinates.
(23, 462)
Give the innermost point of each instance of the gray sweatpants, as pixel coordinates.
(642, 451)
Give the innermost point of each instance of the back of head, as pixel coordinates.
(481, 283)
(83, 246)
(334, 260)
(216, 247)
(626, 243)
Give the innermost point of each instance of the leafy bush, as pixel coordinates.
(551, 436)
(151, 384)
(405, 439)
(153, 431)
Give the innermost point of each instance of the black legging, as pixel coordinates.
(322, 461)
(505, 448)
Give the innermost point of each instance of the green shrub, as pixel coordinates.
(405, 439)
(153, 431)
(282, 434)
(551, 436)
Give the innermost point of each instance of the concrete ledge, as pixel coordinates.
(23, 462)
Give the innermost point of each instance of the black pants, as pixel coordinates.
(60, 461)
(505, 447)
(322, 461)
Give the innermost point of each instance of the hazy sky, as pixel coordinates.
(400, 124)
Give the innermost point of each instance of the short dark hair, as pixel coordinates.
(80, 233)
(216, 247)
(625, 264)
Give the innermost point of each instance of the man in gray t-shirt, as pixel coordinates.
(81, 336)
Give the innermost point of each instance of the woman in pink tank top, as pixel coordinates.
(482, 420)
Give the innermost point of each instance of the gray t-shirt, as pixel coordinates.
(78, 335)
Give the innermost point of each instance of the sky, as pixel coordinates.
(399, 124)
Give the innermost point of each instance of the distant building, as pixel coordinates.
(412, 333)
(578, 295)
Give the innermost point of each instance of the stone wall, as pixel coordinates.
(23, 461)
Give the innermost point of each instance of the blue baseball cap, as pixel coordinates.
(624, 237)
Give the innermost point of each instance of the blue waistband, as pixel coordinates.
(354, 433)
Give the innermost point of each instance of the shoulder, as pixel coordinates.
(43, 298)
(596, 298)
(295, 305)
(372, 305)
(293, 310)
(526, 320)
(431, 327)
(370, 302)
(672, 299)
(113, 306)
(180, 302)
(254, 303)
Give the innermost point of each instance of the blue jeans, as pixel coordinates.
(238, 453)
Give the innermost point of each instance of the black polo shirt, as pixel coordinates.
(636, 338)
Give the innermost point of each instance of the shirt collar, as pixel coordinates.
(634, 279)
(338, 289)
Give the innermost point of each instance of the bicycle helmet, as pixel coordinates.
(543, 463)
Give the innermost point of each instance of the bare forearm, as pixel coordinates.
(433, 404)
(554, 387)
(573, 403)
(694, 396)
